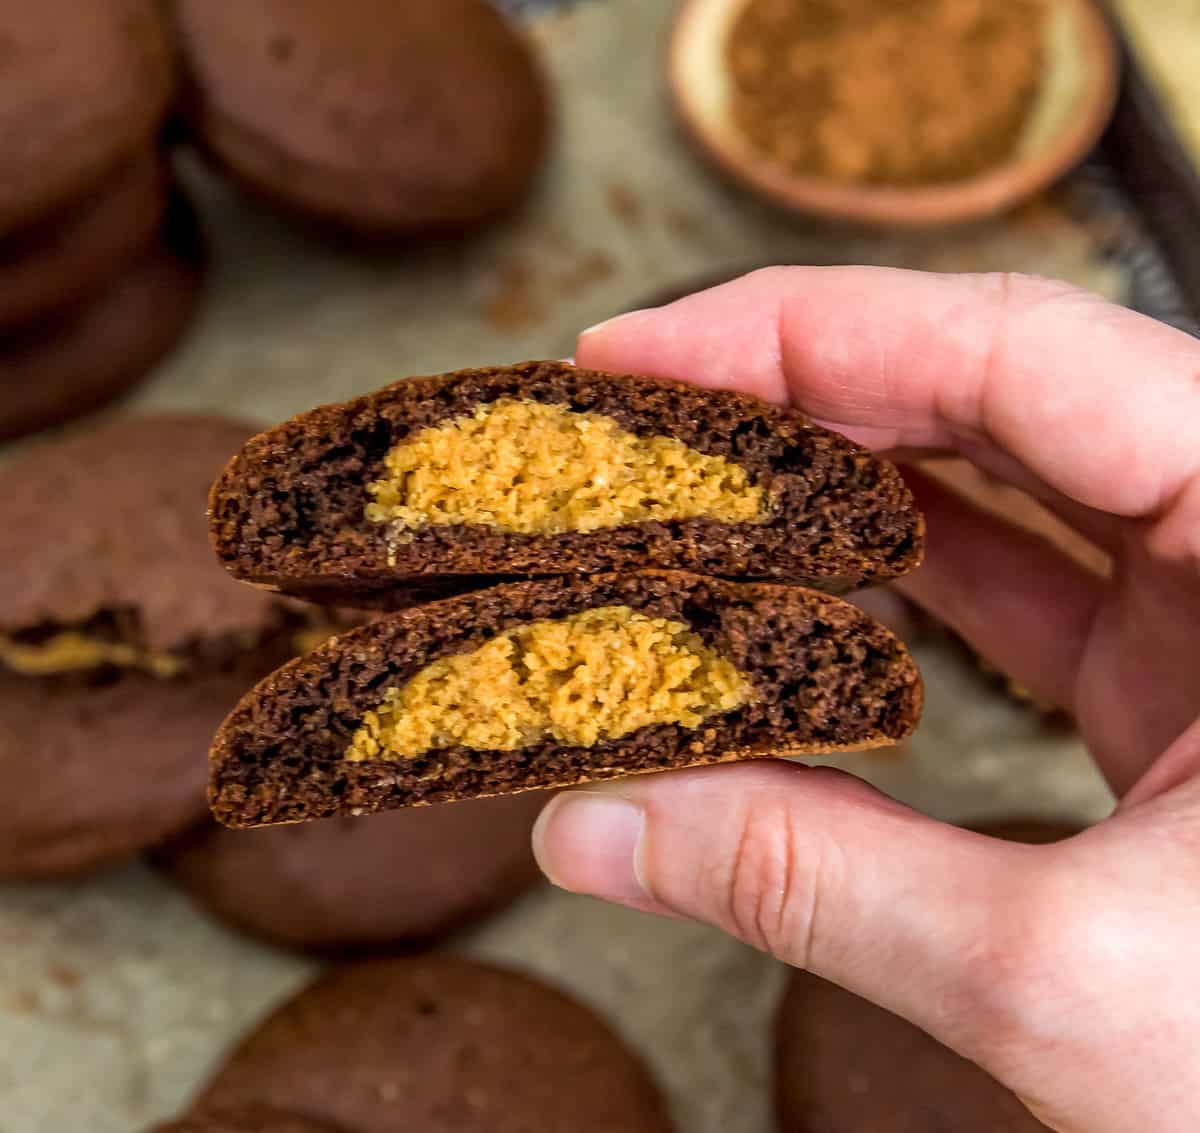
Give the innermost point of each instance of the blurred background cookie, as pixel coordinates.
(440, 1045)
(83, 88)
(843, 1065)
(381, 117)
(61, 261)
(122, 643)
(361, 883)
(53, 370)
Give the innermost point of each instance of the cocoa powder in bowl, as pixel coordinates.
(907, 92)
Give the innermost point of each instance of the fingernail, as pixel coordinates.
(610, 322)
(587, 841)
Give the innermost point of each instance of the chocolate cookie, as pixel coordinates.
(61, 369)
(359, 884)
(247, 1119)
(122, 644)
(83, 88)
(543, 468)
(441, 1045)
(382, 117)
(843, 1065)
(560, 681)
(62, 261)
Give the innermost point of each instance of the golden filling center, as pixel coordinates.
(595, 675)
(70, 652)
(526, 467)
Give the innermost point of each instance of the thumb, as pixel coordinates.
(813, 866)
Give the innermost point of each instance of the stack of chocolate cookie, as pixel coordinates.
(674, 549)
(122, 647)
(99, 254)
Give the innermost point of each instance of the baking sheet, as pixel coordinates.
(116, 997)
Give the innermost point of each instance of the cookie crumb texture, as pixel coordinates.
(436, 1044)
(446, 483)
(559, 681)
(527, 467)
(600, 674)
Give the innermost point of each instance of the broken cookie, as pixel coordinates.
(558, 681)
(438, 485)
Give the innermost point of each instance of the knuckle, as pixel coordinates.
(774, 880)
(1022, 291)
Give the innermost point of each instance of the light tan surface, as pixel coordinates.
(115, 996)
(532, 468)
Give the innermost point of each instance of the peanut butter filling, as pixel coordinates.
(71, 651)
(596, 675)
(530, 468)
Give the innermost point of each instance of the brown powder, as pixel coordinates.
(599, 674)
(533, 468)
(903, 92)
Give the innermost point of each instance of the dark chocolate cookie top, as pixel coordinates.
(82, 86)
(441, 1045)
(113, 520)
(380, 115)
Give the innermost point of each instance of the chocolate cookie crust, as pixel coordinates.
(291, 510)
(440, 1045)
(824, 678)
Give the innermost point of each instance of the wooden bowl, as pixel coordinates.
(1074, 106)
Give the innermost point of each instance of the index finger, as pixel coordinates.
(1099, 403)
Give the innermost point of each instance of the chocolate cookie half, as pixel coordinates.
(380, 117)
(559, 681)
(363, 884)
(440, 1045)
(843, 1065)
(122, 645)
(542, 469)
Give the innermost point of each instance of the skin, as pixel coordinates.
(1070, 972)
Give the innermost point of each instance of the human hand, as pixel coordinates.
(1070, 972)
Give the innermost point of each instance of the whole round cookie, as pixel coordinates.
(122, 642)
(83, 87)
(409, 876)
(382, 117)
(440, 1045)
(55, 264)
(246, 1119)
(62, 369)
(843, 1065)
